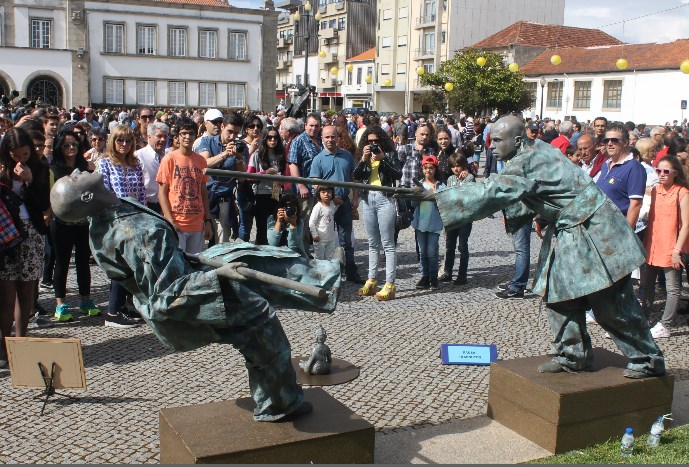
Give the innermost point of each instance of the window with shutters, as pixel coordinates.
(145, 92)
(401, 68)
(207, 94)
(341, 23)
(236, 95)
(176, 93)
(146, 40)
(554, 100)
(582, 95)
(208, 41)
(114, 38)
(359, 72)
(114, 91)
(177, 42)
(385, 41)
(237, 48)
(40, 33)
(402, 40)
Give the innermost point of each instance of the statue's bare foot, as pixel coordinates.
(634, 374)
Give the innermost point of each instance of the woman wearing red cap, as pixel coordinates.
(428, 225)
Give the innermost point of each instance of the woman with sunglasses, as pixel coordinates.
(270, 158)
(666, 239)
(123, 175)
(96, 138)
(67, 236)
(246, 201)
(25, 196)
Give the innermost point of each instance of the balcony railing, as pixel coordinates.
(425, 20)
(424, 52)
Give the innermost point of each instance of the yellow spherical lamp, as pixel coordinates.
(318, 16)
(387, 82)
(368, 79)
(420, 70)
(555, 59)
(684, 67)
(513, 67)
(481, 61)
(321, 54)
(621, 64)
(296, 16)
(350, 67)
(449, 87)
(333, 71)
(307, 6)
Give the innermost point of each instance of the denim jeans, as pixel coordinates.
(343, 220)
(246, 214)
(457, 239)
(428, 251)
(379, 218)
(522, 249)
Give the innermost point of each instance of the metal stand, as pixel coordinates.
(49, 388)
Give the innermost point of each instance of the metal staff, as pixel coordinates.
(305, 181)
(310, 290)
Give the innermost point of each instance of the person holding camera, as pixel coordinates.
(285, 227)
(222, 148)
(379, 165)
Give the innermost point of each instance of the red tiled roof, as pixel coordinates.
(370, 54)
(602, 59)
(546, 35)
(197, 2)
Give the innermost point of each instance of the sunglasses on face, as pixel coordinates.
(665, 171)
(371, 141)
(146, 117)
(70, 145)
(251, 126)
(612, 140)
(123, 141)
(272, 136)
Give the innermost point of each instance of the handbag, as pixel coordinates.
(405, 214)
(12, 231)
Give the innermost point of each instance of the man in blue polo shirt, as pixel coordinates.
(337, 164)
(303, 149)
(622, 178)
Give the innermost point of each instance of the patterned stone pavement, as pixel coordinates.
(131, 376)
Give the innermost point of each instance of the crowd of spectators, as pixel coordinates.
(157, 158)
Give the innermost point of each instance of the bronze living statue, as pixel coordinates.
(588, 250)
(321, 359)
(189, 304)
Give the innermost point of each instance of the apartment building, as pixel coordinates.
(435, 30)
(178, 53)
(331, 31)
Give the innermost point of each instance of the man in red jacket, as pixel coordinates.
(562, 141)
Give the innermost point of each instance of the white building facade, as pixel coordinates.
(196, 53)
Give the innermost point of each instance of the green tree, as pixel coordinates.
(479, 89)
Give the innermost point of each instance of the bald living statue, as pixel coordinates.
(588, 250)
(189, 305)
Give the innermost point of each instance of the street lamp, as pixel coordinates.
(307, 35)
(542, 83)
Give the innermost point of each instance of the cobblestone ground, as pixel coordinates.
(131, 376)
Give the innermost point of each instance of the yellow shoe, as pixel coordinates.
(386, 293)
(369, 288)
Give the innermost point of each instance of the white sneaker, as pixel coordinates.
(590, 319)
(659, 331)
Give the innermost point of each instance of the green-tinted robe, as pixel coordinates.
(588, 245)
(185, 303)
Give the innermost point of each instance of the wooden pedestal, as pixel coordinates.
(565, 411)
(225, 432)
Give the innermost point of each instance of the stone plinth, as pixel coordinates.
(225, 432)
(565, 411)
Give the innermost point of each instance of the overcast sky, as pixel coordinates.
(658, 27)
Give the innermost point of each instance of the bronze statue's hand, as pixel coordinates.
(418, 193)
(230, 271)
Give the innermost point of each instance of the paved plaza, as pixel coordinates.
(402, 386)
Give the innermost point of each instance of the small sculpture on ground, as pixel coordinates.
(320, 360)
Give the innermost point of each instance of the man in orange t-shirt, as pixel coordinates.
(182, 192)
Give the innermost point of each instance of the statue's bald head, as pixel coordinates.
(506, 136)
(80, 195)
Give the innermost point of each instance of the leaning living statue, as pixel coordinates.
(588, 251)
(189, 305)
(321, 359)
